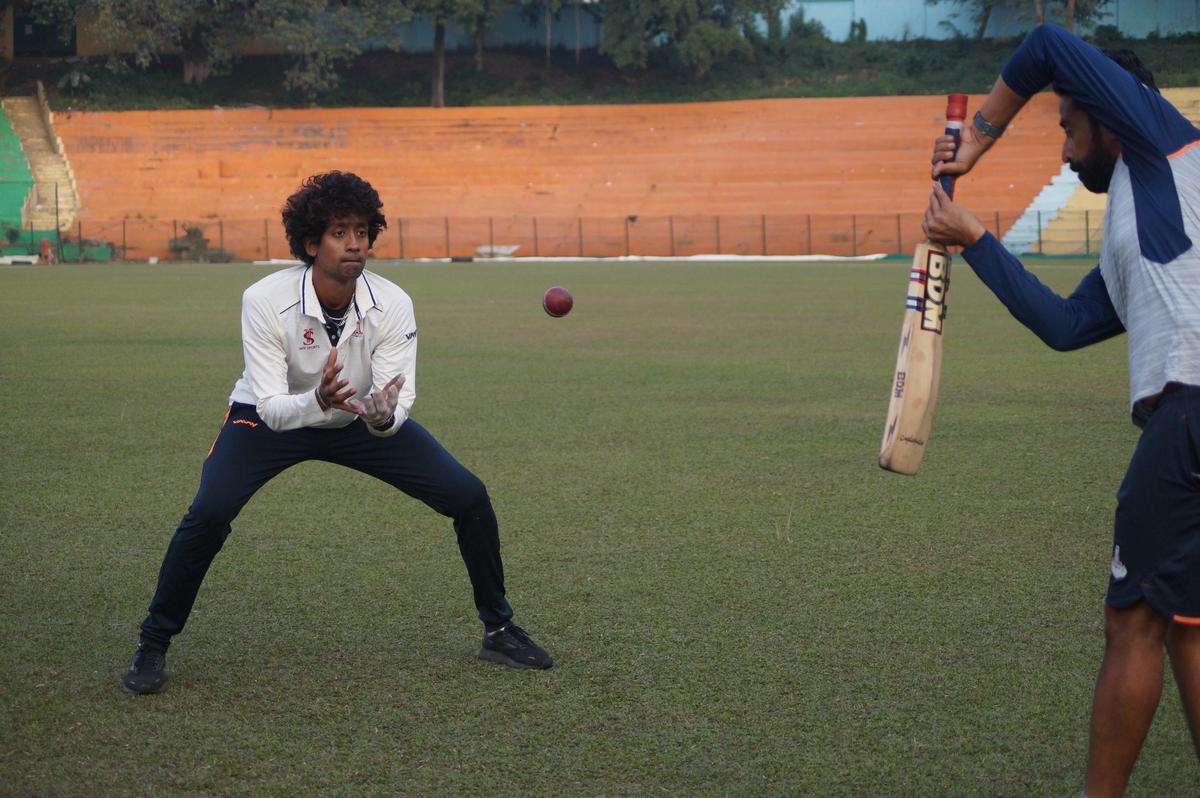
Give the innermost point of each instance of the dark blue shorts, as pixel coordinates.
(1156, 537)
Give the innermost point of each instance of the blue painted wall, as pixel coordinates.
(915, 19)
(886, 19)
(512, 29)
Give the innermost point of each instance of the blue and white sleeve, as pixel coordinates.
(1148, 127)
(1086, 317)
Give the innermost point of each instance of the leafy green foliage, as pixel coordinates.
(325, 36)
(1070, 13)
(708, 44)
(205, 32)
(475, 16)
(858, 31)
(478, 17)
(77, 80)
(799, 62)
(320, 35)
(699, 34)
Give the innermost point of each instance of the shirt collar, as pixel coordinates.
(364, 296)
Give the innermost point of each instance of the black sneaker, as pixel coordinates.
(511, 645)
(146, 674)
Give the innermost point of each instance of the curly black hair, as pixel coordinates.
(325, 197)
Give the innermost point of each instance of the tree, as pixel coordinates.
(699, 33)
(543, 12)
(985, 14)
(578, 26)
(550, 9)
(323, 35)
(476, 17)
(204, 32)
(979, 12)
(479, 17)
(1083, 12)
(1068, 12)
(438, 13)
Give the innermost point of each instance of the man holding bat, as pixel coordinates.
(1122, 138)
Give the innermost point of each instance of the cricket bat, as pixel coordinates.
(919, 361)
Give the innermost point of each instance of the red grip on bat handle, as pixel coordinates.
(956, 114)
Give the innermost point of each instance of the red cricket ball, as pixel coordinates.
(557, 301)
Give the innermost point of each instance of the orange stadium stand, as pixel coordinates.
(835, 176)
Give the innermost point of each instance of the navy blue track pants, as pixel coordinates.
(247, 454)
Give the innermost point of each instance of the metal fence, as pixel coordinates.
(1072, 232)
(462, 237)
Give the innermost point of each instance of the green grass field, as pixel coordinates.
(739, 600)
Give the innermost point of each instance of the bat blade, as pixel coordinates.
(918, 362)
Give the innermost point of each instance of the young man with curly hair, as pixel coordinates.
(330, 358)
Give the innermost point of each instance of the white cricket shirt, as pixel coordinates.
(1159, 303)
(285, 347)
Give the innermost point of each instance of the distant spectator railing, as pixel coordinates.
(836, 235)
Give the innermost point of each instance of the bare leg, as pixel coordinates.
(1127, 693)
(1183, 644)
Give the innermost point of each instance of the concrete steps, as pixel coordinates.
(1076, 225)
(55, 201)
(1079, 227)
(1026, 234)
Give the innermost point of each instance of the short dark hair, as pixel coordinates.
(325, 197)
(1133, 65)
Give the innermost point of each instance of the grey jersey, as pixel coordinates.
(1158, 303)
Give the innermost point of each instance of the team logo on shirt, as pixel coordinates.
(308, 341)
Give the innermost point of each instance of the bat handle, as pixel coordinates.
(956, 114)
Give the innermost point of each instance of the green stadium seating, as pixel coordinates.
(16, 179)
